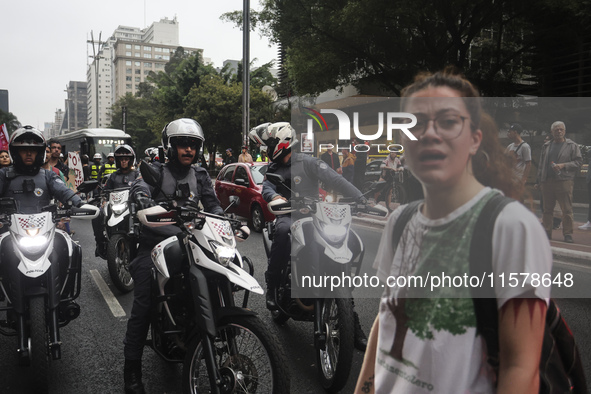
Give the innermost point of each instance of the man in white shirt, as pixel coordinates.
(520, 151)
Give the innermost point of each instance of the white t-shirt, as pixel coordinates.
(435, 349)
(522, 156)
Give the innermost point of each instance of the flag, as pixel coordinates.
(3, 137)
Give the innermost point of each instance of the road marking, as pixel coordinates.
(110, 299)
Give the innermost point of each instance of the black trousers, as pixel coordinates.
(139, 321)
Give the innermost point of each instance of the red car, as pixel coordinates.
(245, 180)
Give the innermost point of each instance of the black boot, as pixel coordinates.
(270, 280)
(132, 376)
(360, 338)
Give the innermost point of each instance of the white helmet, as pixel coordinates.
(111, 154)
(182, 128)
(28, 137)
(124, 151)
(97, 156)
(281, 138)
(260, 133)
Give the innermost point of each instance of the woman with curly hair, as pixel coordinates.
(429, 343)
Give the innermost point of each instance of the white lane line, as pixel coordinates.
(110, 299)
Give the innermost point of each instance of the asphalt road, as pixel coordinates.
(92, 347)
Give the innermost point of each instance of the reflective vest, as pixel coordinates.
(109, 169)
(94, 171)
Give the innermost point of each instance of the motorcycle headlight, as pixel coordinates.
(223, 253)
(34, 244)
(334, 234)
(119, 208)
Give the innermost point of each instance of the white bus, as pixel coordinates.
(91, 141)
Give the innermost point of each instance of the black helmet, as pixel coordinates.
(124, 151)
(27, 136)
(182, 128)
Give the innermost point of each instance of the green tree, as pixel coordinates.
(383, 43)
(10, 120)
(140, 115)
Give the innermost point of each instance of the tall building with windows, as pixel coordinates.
(75, 117)
(123, 62)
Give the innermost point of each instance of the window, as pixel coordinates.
(137, 47)
(138, 79)
(138, 64)
(128, 78)
(159, 66)
(148, 55)
(127, 46)
(127, 53)
(228, 174)
(159, 57)
(146, 71)
(166, 57)
(128, 71)
(128, 86)
(157, 49)
(137, 54)
(138, 71)
(146, 48)
(128, 62)
(148, 64)
(241, 173)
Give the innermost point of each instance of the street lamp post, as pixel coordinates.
(96, 57)
(245, 70)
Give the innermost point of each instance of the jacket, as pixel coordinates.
(33, 192)
(570, 154)
(303, 173)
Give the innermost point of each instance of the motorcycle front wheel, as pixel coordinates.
(335, 360)
(246, 355)
(38, 344)
(119, 257)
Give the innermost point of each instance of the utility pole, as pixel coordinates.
(96, 57)
(245, 70)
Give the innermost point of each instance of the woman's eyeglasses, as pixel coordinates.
(447, 126)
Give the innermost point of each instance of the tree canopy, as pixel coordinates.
(383, 44)
(188, 88)
(10, 120)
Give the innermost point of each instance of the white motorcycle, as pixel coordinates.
(322, 244)
(40, 270)
(122, 231)
(224, 348)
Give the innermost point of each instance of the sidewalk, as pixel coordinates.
(576, 253)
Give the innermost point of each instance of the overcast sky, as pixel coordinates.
(43, 43)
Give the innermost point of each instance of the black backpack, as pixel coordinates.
(561, 370)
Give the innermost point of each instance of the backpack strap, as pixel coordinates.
(484, 298)
(403, 219)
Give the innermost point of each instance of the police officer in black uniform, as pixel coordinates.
(30, 185)
(181, 181)
(306, 172)
(123, 177)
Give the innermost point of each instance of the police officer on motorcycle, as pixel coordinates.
(123, 177)
(181, 181)
(306, 172)
(30, 185)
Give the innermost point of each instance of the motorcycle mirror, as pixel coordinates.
(87, 186)
(234, 200)
(150, 174)
(275, 179)
(242, 233)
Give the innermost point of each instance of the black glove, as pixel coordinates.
(144, 201)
